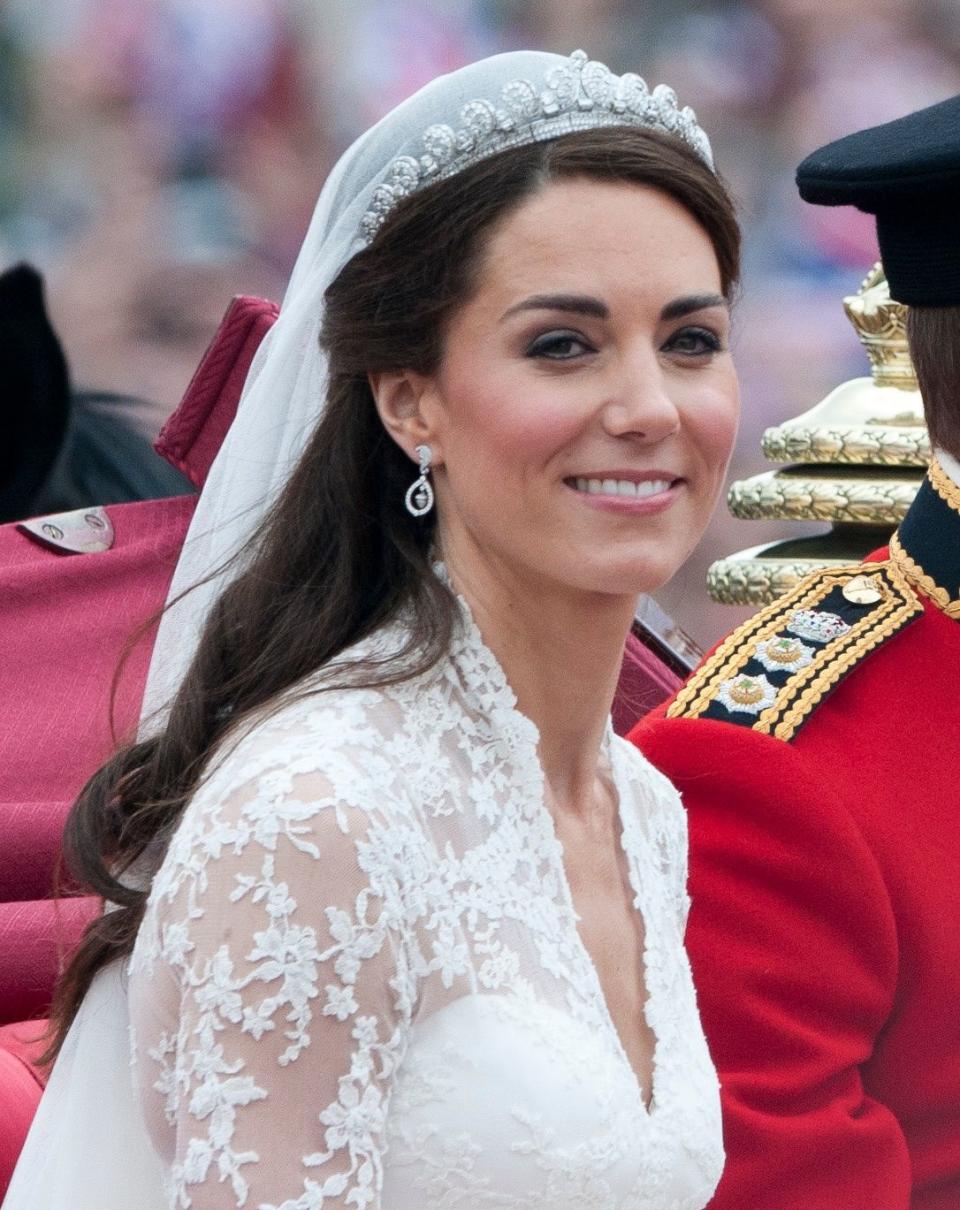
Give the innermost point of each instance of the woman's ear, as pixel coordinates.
(403, 401)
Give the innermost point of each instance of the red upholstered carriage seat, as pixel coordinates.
(21, 1086)
(65, 620)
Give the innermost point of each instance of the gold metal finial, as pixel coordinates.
(881, 324)
(857, 459)
(872, 422)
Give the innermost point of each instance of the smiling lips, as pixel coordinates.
(623, 487)
(628, 492)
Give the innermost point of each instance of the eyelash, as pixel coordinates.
(550, 340)
(540, 348)
(712, 341)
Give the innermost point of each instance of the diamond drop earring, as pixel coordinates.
(419, 497)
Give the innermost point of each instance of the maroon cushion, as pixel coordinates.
(194, 433)
(645, 682)
(21, 1085)
(29, 844)
(65, 620)
(27, 1040)
(35, 939)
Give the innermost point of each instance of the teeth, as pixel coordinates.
(622, 487)
(653, 487)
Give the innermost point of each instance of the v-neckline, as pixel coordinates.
(647, 1097)
(523, 738)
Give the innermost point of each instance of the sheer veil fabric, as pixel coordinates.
(89, 1148)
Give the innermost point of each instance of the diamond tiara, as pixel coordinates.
(580, 94)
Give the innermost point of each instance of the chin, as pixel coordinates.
(640, 562)
(627, 575)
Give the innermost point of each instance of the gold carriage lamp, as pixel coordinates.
(856, 461)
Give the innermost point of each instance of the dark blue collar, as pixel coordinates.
(926, 547)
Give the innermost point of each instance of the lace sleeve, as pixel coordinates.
(272, 995)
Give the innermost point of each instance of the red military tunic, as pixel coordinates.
(818, 754)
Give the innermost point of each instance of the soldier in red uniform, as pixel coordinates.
(818, 752)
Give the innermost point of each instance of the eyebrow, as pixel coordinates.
(580, 304)
(692, 302)
(585, 304)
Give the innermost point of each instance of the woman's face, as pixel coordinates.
(586, 404)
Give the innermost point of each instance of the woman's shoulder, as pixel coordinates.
(338, 710)
(314, 742)
(317, 761)
(305, 796)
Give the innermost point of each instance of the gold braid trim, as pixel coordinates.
(866, 635)
(911, 570)
(807, 687)
(943, 485)
(801, 682)
(738, 648)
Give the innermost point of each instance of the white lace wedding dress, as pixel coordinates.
(360, 981)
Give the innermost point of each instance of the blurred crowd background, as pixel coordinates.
(159, 156)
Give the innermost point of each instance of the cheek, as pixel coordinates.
(536, 431)
(514, 423)
(712, 426)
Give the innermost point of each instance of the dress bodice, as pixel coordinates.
(360, 981)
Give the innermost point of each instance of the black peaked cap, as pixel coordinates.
(907, 173)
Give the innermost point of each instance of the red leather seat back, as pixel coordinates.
(35, 937)
(21, 1084)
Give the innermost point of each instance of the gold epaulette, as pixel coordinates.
(775, 669)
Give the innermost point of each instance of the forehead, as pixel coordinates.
(601, 237)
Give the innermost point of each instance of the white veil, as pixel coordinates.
(88, 1148)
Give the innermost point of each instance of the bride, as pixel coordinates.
(395, 920)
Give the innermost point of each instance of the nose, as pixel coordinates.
(639, 402)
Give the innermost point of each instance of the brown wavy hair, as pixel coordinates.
(339, 555)
(933, 334)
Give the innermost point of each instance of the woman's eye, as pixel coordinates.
(558, 346)
(694, 342)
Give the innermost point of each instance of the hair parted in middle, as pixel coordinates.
(339, 555)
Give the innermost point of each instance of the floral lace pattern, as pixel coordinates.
(359, 981)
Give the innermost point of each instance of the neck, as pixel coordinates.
(561, 652)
